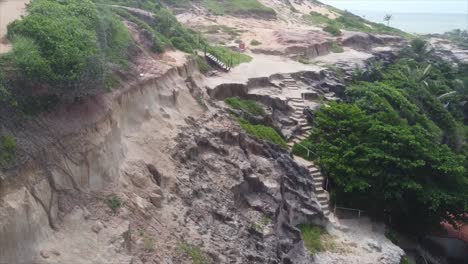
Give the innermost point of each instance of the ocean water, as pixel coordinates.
(421, 23)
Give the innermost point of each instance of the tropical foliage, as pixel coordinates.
(394, 148)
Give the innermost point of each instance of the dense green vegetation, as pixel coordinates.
(64, 48)
(349, 21)
(167, 32)
(263, 132)
(258, 131)
(312, 237)
(396, 143)
(223, 7)
(238, 7)
(248, 106)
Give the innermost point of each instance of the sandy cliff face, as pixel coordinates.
(87, 155)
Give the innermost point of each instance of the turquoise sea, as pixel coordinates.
(422, 23)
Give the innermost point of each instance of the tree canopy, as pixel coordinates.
(394, 148)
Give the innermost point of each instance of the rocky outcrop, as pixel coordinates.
(256, 221)
(365, 42)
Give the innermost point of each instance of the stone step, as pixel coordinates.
(318, 184)
(296, 140)
(298, 104)
(301, 137)
(291, 144)
(326, 212)
(312, 169)
(324, 205)
(299, 120)
(319, 189)
(316, 174)
(293, 99)
(322, 197)
(306, 128)
(319, 178)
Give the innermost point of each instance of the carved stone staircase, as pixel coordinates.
(297, 103)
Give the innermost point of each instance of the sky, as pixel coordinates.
(403, 6)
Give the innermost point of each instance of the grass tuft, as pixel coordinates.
(114, 203)
(263, 132)
(248, 106)
(195, 253)
(311, 235)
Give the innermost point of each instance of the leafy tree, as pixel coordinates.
(387, 19)
(393, 170)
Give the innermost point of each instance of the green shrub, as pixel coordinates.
(238, 7)
(203, 66)
(248, 106)
(114, 203)
(7, 150)
(335, 31)
(392, 236)
(65, 46)
(255, 42)
(181, 44)
(311, 235)
(195, 253)
(301, 150)
(406, 260)
(335, 48)
(263, 132)
(317, 18)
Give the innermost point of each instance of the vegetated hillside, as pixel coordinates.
(66, 50)
(228, 7)
(348, 21)
(399, 141)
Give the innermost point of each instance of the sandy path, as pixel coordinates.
(9, 11)
(260, 66)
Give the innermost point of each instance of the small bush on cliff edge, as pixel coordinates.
(263, 132)
(311, 235)
(248, 106)
(335, 31)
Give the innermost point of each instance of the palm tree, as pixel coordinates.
(387, 18)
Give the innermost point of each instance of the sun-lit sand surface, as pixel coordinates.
(9, 11)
